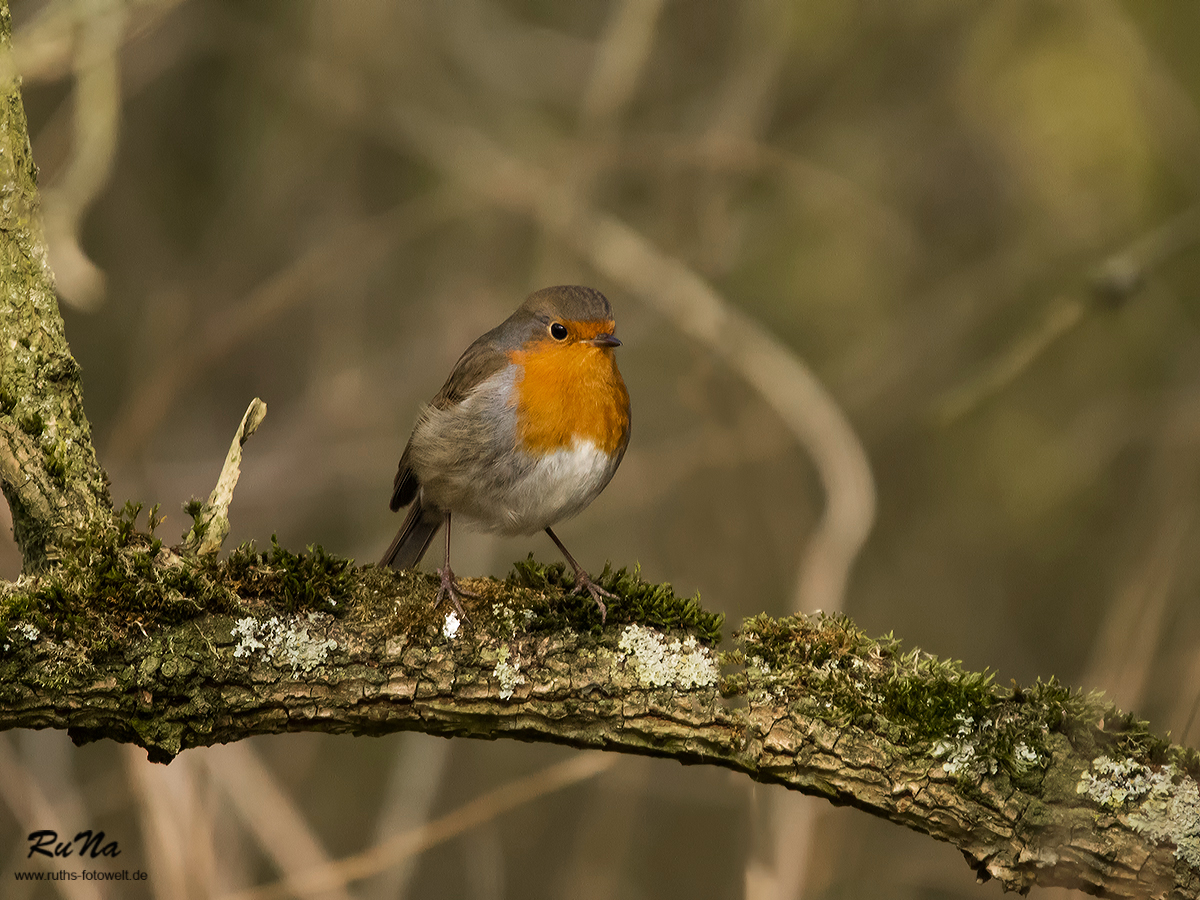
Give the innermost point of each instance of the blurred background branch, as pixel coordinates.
(1113, 282)
(317, 880)
(98, 30)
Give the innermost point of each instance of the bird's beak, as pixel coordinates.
(603, 340)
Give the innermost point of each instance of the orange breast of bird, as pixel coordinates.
(570, 391)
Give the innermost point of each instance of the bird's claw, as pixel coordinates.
(450, 587)
(584, 582)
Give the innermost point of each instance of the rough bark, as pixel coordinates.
(48, 467)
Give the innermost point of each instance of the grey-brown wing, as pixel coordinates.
(480, 361)
(404, 488)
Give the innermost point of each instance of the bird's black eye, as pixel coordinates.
(558, 331)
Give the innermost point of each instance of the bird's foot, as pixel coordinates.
(583, 582)
(453, 590)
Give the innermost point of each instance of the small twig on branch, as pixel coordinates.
(212, 519)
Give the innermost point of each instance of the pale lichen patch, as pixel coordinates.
(1025, 757)
(24, 630)
(659, 661)
(246, 631)
(510, 620)
(1112, 783)
(284, 643)
(508, 673)
(1162, 804)
(962, 752)
(451, 626)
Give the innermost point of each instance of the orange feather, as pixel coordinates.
(570, 391)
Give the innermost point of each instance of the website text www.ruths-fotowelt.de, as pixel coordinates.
(82, 875)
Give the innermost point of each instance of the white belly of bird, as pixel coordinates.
(559, 485)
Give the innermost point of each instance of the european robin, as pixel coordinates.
(527, 431)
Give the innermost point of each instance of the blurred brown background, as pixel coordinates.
(972, 223)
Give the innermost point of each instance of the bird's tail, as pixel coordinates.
(414, 536)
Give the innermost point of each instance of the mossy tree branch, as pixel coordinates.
(48, 467)
(118, 637)
(1037, 786)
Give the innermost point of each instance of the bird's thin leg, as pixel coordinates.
(582, 579)
(450, 586)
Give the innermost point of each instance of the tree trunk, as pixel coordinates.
(48, 468)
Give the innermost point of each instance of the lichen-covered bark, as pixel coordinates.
(222, 678)
(48, 467)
